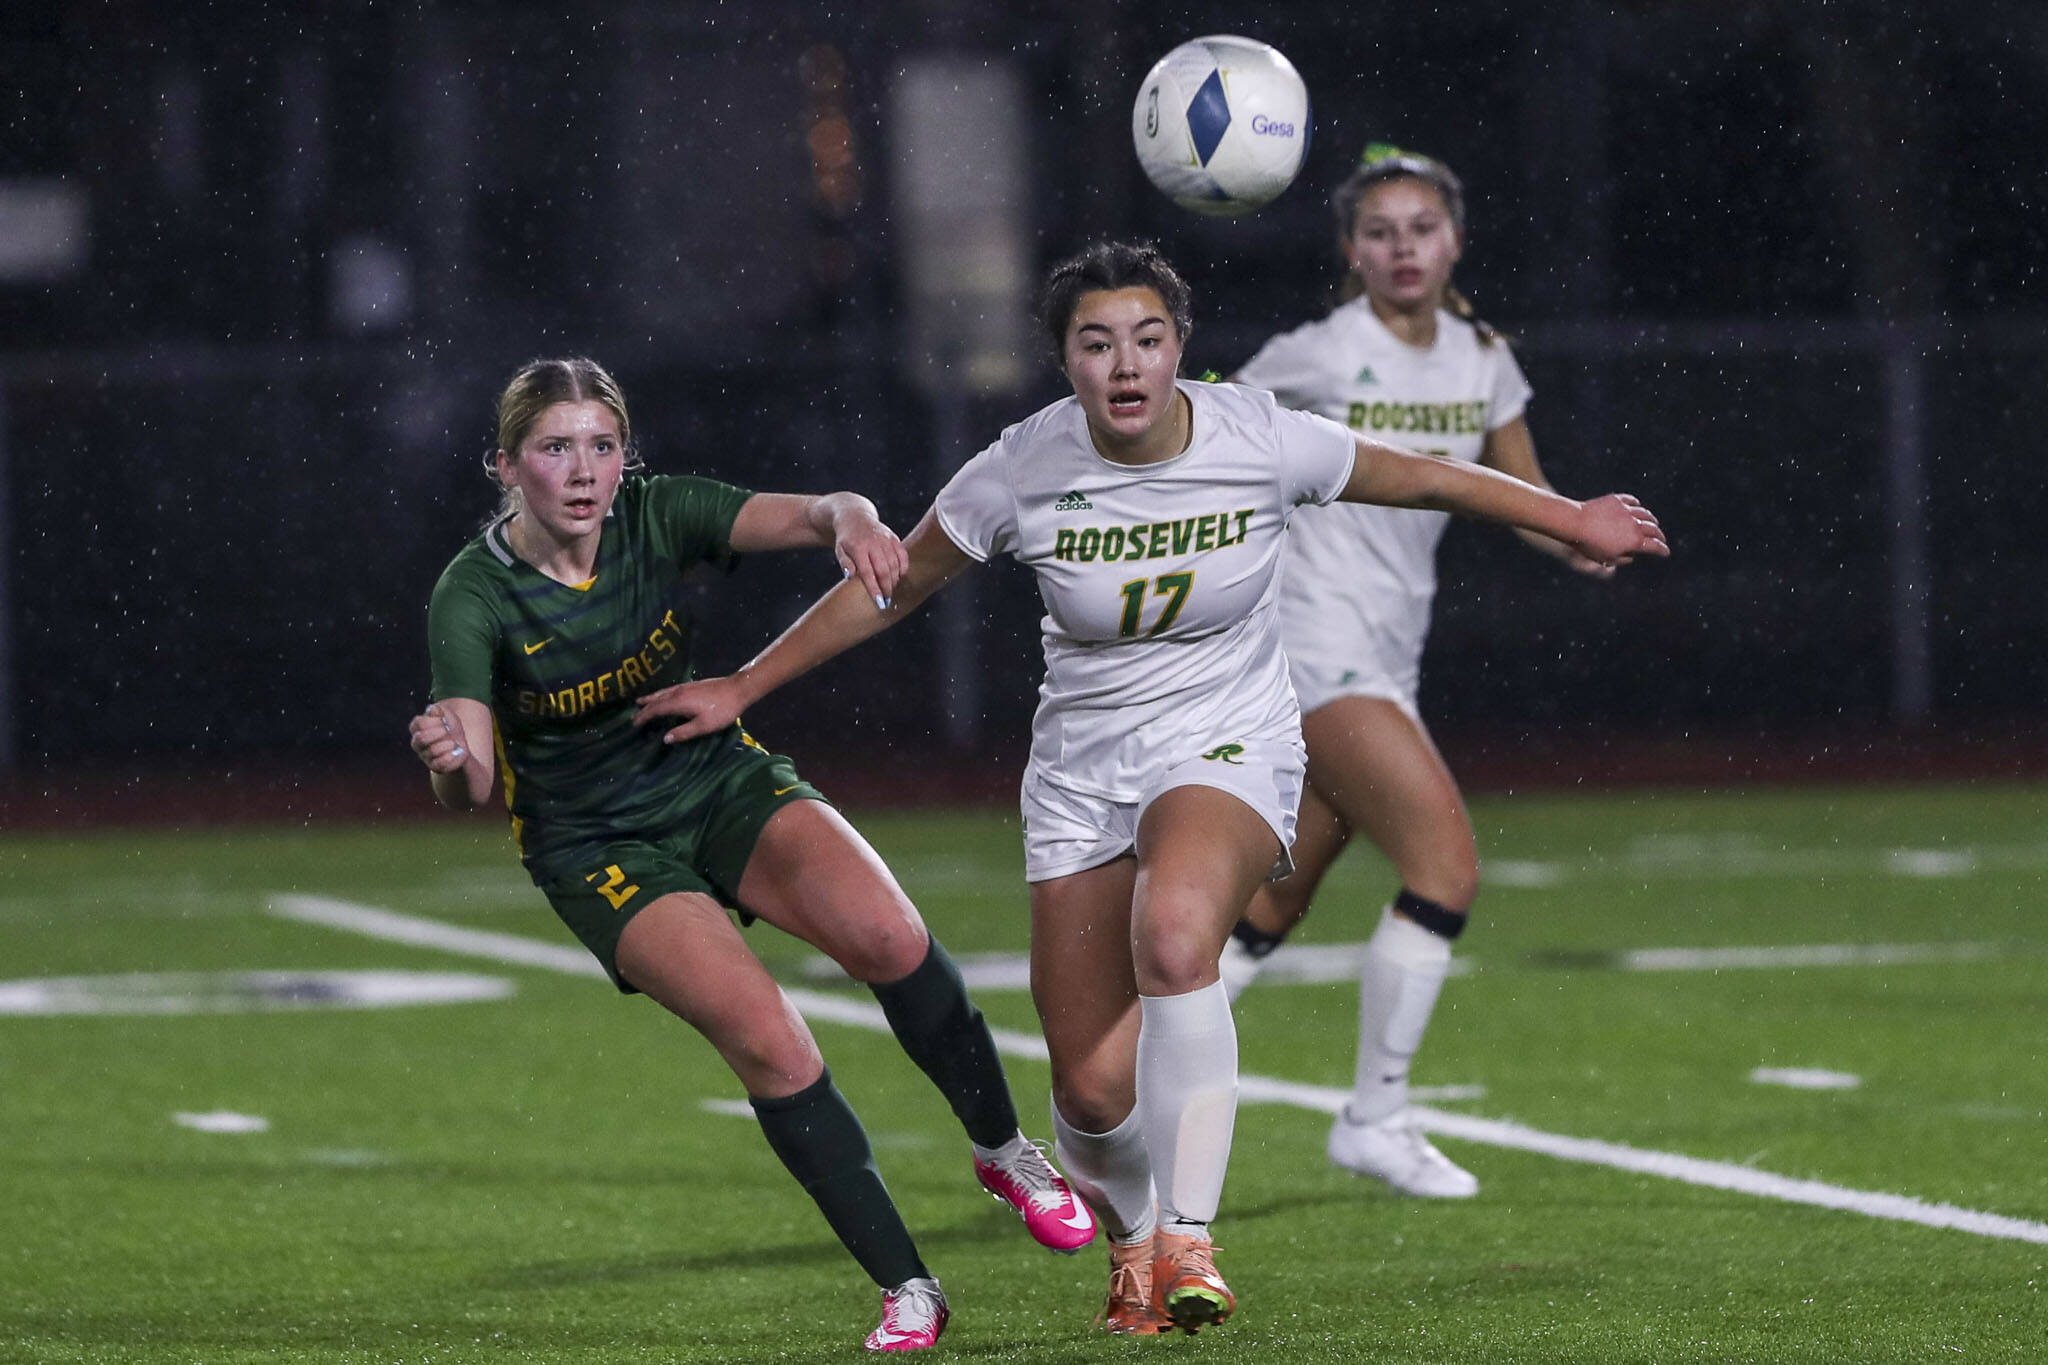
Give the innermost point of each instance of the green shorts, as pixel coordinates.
(596, 889)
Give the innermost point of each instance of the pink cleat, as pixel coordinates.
(1018, 1174)
(913, 1315)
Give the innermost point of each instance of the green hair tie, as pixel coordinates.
(1379, 151)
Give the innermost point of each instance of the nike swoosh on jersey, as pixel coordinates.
(538, 645)
(780, 791)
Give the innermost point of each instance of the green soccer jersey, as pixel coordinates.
(559, 665)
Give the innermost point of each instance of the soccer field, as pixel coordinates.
(1746, 1077)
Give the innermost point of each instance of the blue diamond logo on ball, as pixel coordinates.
(1209, 116)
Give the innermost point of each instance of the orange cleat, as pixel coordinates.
(1191, 1294)
(1131, 1310)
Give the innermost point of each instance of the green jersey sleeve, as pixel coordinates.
(693, 517)
(462, 638)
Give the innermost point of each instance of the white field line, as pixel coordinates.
(1720, 1175)
(1724, 857)
(1313, 963)
(1805, 1078)
(1294, 963)
(560, 957)
(1712, 856)
(1806, 955)
(393, 927)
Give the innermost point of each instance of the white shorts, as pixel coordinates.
(1066, 831)
(1321, 680)
(1354, 637)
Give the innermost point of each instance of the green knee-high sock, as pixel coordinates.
(820, 1140)
(944, 1033)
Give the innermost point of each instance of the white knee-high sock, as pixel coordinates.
(1187, 1097)
(1404, 969)
(1112, 1174)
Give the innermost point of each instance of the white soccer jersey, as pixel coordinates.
(1359, 579)
(1158, 580)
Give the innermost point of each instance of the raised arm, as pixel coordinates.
(1512, 450)
(848, 522)
(452, 738)
(838, 621)
(1609, 530)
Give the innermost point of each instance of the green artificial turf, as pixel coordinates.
(539, 1178)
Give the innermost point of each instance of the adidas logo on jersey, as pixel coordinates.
(1073, 502)
(1366, 376)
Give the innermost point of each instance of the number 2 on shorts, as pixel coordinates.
(613, 890)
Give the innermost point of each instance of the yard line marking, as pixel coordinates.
(1710, 857)
(393, 927)
(1316, 963)
(238, 992)
(1718, 1175)
(1722, 1175)
(1805, 1078)
(1801, 955)
(426, 933)
(1522, 872)
(1293, 963)
(222, 1121)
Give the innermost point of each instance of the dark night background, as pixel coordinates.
(1773, 267)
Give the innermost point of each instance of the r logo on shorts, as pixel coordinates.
(1227, 753)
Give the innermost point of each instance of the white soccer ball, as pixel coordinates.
(1221, 124)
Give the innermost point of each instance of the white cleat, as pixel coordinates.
(1237, 967)
(1394, 1150)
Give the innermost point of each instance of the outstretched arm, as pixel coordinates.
(453, 739)
(838, 621)
(1510, 449)
(1610, 530)
(848, 522)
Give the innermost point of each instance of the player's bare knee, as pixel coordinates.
(890, 947)
(770, 1067)
(1454, 890)
(1452, 882)
(1089, 1106)
(1174, 964)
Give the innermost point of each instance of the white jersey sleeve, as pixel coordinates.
(1316, 456)
(977, 509)
(1510, 390)
(1292, 367)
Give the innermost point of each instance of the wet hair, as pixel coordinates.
(1106, 266)
(1381, 163)
(539, 385)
